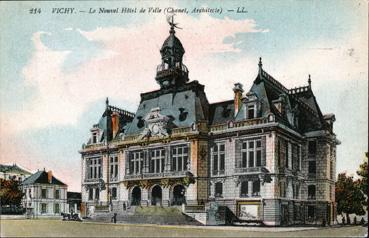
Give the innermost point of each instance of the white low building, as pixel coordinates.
(45, 195)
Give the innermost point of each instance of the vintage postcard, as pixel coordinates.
(184, 118)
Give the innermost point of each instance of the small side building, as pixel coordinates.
(13, 172)
(45, 195)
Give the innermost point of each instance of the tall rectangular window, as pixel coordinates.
(135, 162)
(157, 157)
(114, 167)
(56, 208)
(312, 147)
(251, 153)
(97, 194)
(256, 188)
(94, 168)
(286, 154)
(57, 194)
(43, 193)
(114, 193)
(331, 169)
(311, 192)
(90, 194)
(312, 167)
(179, 158)
(43, 208)
(218, 157)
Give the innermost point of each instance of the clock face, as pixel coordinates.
(155, 129)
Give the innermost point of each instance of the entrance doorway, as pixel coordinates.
(284, 215)
(156, 195)
(136, 196)
(178, 195)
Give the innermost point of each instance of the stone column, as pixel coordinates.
(167, 159)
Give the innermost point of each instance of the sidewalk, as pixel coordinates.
(230, 228)
(23, 217)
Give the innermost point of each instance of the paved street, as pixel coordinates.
(57, 228)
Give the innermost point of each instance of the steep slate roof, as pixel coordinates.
(41, 177)
(13, 169)
(221, 112)
(268, 89)
(183, 105)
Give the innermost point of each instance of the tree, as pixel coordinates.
(10, 193)
(349, 197)
(363, 181)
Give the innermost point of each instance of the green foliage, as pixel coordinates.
(363, 181)
(10, 193)
(349, 197)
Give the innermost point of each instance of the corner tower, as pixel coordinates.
(171, 72)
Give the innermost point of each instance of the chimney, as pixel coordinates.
(115, 123)
(238, 90)
(49, 176)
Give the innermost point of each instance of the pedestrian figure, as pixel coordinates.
(343, 220)
(362, 221)
(114, 218)
(355, 220)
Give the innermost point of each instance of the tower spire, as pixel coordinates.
(107, 102)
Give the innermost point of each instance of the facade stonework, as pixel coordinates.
(267, 155)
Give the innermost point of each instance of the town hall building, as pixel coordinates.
(268, 154)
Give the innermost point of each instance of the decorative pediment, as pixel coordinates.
(157, 124)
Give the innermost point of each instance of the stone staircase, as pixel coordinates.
(147, 215)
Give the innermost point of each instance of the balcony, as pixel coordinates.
(156, 175)
(162, 71)
(248, 170)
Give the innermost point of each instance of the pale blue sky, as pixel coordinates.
(327, 39)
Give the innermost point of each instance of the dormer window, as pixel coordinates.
(251, 111)
(94, 137)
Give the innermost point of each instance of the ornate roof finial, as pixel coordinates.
(170, 20)
(107, 102)
(260, 63)
(309, 81)
(260, 67)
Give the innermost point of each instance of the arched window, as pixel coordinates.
(114, 193)
(218, 189)
(256, 188)
(244, 189)
(136, 196)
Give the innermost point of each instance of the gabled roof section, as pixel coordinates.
(41, 177)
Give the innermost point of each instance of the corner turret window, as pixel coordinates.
(312, 147)
(251, 153)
